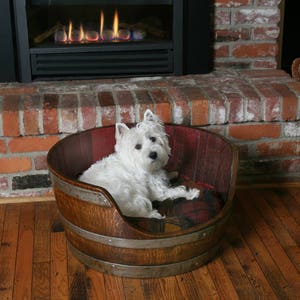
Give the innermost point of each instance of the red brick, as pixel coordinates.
(108, 109)
(181, 109)
(69, 113)
(268, 75)
(88, 111)
(40, 162)
(289, 102)
(272, 102)
(10, 115)
(144, 102)
(15, 164)
(199, 105)
(232, 64)
(279, 148)
(217, 112)
(253, 109)
(266, 33)
(230, 3)
(217, 102)
(222, 17)
(50, 116)
(256, 16)
(145, 82)
(126, 105)
(2, 146)
(254, 50)
(3, 184)
(18, 90)
(265, 64)
(253, 102)
(31, 115)
(163, 106)
(267, 2)
(230, 35)
(254, 131)
(236, 109)
(221, 51)
(32, 144)
(272, 109)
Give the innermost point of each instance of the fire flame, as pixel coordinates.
(78, 34)
(101, 23)
(70, 30)
(116, 24)
(75, 35)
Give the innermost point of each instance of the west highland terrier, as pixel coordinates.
(134, 173)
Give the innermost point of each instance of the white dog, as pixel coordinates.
(133, 174)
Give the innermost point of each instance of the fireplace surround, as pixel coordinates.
(174, 38)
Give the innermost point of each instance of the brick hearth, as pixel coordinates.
(257, 110)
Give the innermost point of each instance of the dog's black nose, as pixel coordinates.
(153, 155)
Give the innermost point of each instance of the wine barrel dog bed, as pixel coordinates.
(190, 235)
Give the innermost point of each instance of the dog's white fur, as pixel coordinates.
(134, 173)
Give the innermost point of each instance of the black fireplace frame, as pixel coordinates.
(185, 54)
(7, 48)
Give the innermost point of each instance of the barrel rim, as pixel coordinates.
(98, 189)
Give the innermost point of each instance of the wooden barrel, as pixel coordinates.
(103, 239)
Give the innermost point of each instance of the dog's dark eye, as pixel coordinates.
(138, 147)
(153, 139)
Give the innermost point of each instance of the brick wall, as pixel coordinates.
(246, 33)
(259, 110)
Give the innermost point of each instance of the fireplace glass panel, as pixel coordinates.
(77, 25)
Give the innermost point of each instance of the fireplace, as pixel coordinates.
(68, 39)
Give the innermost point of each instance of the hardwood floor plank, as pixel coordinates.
(41, 281)
(43, 217)
(114, 288)
(295, 192)
(23, 273)
(249, 264)
(205, 284)
(59, 277)
(132, 289)
(237, 275)
(2, 214)
(187, 286)
(291, 204)
(170, 288)
(41, 254)
(222, 280)
(95, 285)
(8, 250)
(282, 212)
(266, 234)
(284, 238)
(76, 278)
(269, 267)
(152, 289)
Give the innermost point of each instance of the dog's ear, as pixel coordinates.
(150, 116)
(120, 129)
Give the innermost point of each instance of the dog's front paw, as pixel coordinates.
(192, 194)
(155, 214)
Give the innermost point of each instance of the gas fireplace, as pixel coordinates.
(61, 39)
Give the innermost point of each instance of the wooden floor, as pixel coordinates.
(260, 257)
